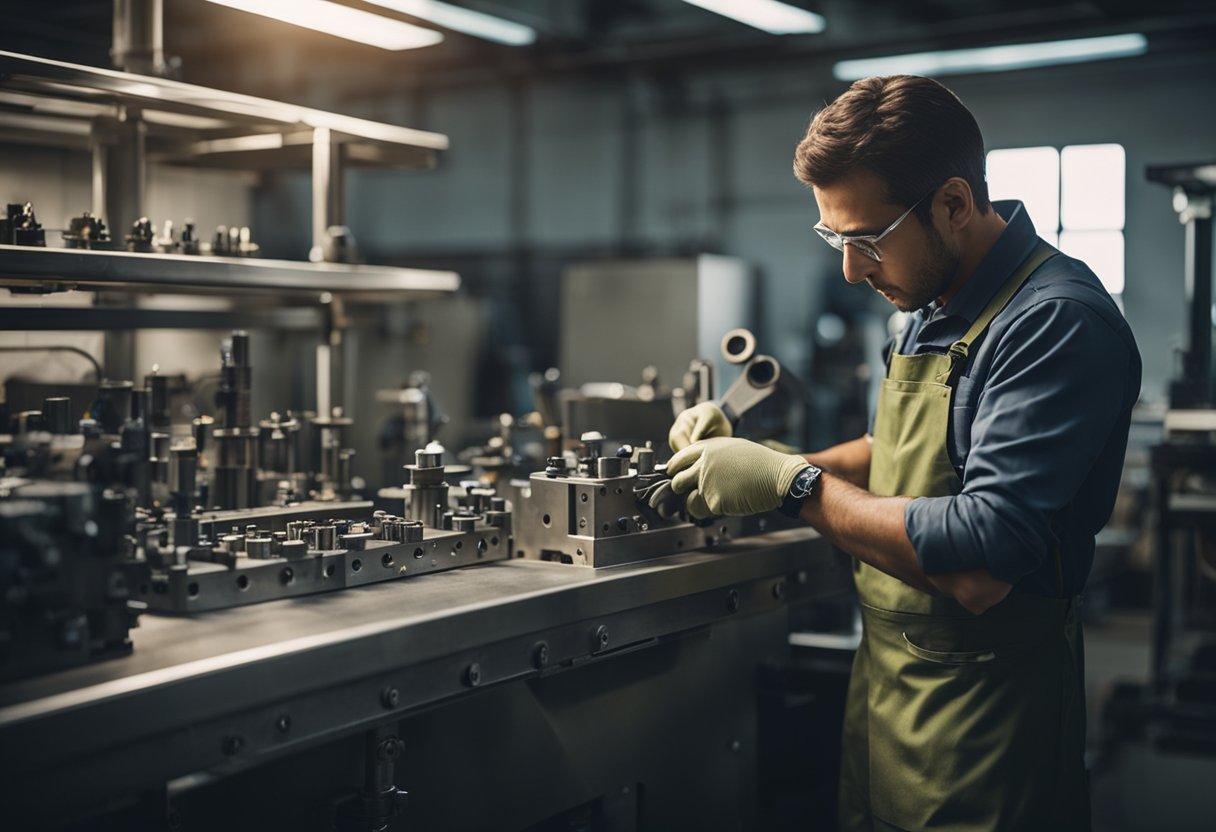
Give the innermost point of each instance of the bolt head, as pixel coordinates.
(540, 655)
(389, 748)
(389, 697)
(600, 638)
(472, 675)
(283, 723)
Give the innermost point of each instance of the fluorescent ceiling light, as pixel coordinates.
(467, 21)
(342, 21)
(995, 58)
(769, 15)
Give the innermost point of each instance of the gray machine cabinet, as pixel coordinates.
(619, 316)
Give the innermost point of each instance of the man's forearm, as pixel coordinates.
(871, 529)
(868, 527)
(849, 460)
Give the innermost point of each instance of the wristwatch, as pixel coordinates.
(800, 489)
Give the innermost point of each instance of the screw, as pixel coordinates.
(389, 697)
(283, 723)
(779, 589)
(732, 600)
(735, 745)
(600, 639)
(233, 744)
(389, 749)
(472, 675)
(540, 655)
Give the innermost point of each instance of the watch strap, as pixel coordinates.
(800, 489)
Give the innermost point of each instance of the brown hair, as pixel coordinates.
(910, 131)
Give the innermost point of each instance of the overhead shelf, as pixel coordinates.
(51, 269)
(188, 124)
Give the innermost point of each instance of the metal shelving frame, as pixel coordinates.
(126, 120)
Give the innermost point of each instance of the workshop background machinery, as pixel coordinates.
(325, 676)
(1162, 733)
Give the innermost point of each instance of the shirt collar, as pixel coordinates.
(1010, 249)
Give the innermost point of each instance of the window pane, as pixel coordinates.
(1031, 174)
(1102, 251)
(1093, 186)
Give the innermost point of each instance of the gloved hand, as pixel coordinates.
(735, 477)
(698, 422)
(666, 503)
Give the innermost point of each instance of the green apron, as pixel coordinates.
(956, 721)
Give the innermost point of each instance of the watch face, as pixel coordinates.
(804, 482)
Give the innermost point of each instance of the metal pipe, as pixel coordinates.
(1199, 293)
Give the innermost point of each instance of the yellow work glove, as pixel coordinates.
(698, 422)
(732, 477)
(664, 501)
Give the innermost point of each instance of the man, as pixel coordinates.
(971, 506)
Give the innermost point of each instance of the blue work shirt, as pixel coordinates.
(1039, 419)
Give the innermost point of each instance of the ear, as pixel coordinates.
(955, 197)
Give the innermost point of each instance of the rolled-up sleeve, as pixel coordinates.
(1055, 390)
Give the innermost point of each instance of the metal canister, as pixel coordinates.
(327, 538)
(426, 493)
(258, 547)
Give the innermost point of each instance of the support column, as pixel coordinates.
(1195, 389)
(328, 206)
(119, 181)
(139, 43)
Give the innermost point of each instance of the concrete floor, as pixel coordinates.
(1135, 786)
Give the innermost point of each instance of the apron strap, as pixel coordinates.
(960, 349)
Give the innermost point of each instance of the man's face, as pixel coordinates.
(918, 264)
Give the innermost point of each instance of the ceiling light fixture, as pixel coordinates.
(466, 21)
(342, 21)
(771, 16)
(995, 58)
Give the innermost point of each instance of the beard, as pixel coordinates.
(930, 278)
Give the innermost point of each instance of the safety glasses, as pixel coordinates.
(867, 244)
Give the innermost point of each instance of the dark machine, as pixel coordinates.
(106, 516)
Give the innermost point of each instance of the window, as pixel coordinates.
(1075, 196)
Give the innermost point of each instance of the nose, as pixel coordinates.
(857, 267)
